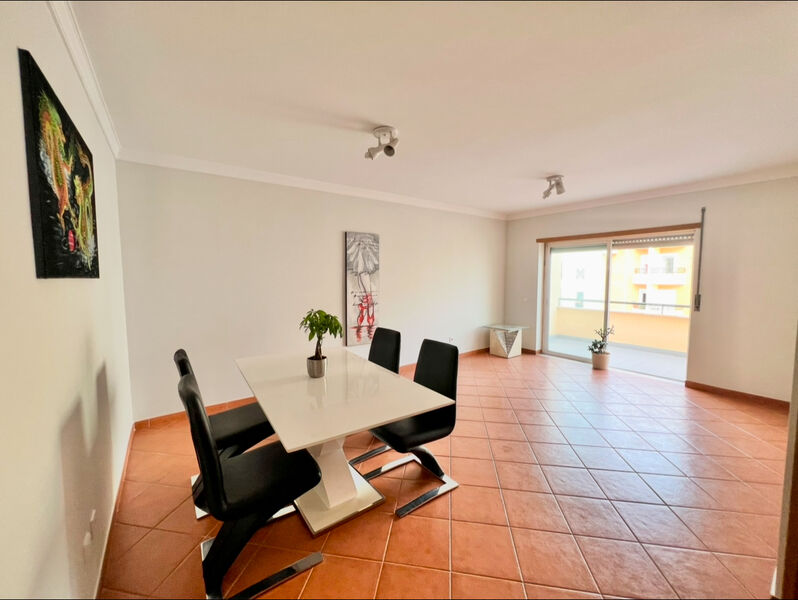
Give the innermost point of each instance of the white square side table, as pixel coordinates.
(505, 340)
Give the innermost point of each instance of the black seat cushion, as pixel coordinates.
(243, 426)
(410, 433)
(266, 476)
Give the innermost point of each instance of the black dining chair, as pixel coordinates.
(234, 431)
(243, 492)
(436, 369)
(385, 348)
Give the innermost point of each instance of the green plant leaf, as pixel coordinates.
(318, 323)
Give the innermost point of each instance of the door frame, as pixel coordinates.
(606, 239)
(547, 248)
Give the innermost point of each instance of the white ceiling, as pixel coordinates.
(489, 98)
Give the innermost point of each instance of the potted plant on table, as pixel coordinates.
(598, 348)
(318, 323)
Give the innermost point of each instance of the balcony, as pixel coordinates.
(649, 337)
(629, 357)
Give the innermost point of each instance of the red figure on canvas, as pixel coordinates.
(362, 265)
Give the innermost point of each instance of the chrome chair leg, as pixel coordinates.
(198, 512)
(448, 485)
(425, 458)
(370, 454)
(283, 512)
(276, 579)
(272, 580)
(389, 467)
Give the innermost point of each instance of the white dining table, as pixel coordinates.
(318, 414)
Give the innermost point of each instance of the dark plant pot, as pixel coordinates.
(601, 361)
(317, 368)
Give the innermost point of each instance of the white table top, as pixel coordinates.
(507, 327)
(355, 395)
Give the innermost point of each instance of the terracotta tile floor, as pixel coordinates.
(573, 483)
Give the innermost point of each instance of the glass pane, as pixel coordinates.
(650, 295)
(576, 298)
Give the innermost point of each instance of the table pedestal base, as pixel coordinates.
(342, 494)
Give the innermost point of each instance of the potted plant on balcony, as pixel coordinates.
(598, 348)
(318, 323)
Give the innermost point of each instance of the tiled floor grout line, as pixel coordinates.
(657, 566)
(606, 428)
(243, 570)
(642, 545)
(115, 590)
(451, 521)
(507, 517)
(573, 536)
(663, 503)
(639, 542)
(639, 473)
(382, 561)
(307, 579)
(633, 470)
(751, 593)
(180, 562)
(571, 446)
(591, 470)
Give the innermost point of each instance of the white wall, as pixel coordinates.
(63, 358)
(743, 337)
(226, 268)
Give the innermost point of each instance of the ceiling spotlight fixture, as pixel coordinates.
(387, 139)
(555, 183)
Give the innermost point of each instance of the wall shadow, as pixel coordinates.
(87, 475)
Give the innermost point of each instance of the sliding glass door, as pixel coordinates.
(577, 278)
(649, 303)
(640, 285)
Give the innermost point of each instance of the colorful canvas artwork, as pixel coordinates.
(362, 286)
(60, 182)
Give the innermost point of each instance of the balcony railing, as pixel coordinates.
(655, 308)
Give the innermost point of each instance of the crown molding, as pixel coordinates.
(67, 24)
(64, 17)
(757, 176)
(194, 165)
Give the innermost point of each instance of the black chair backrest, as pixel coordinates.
(437, 368)
(204, 444)
(182, 362)
(385, 347)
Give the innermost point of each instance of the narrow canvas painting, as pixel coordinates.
(362, 286)
(60, 182)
